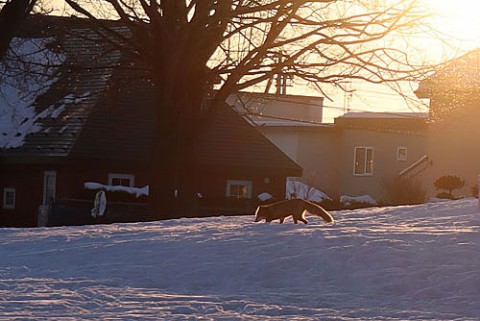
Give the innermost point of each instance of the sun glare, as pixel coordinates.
(458, 21)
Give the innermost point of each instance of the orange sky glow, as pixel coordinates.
(457, 30)
(458, 21)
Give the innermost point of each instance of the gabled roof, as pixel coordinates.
(104, 113)
(67, 89)
(121, 127)
(231, 140)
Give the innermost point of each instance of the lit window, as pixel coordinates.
(121, 179)
(239, 189)
(363, 161)
(402, 153)
(9, 198)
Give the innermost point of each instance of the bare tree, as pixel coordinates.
(189, 46)
(12, 15)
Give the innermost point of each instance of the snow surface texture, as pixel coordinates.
(397, 263)
(25, 74)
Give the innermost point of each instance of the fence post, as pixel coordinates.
(478, 191)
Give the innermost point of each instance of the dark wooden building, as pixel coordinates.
(94, 124)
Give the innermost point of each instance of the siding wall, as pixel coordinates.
(454, 148)
(315, 149)
(28, 183)
(385, 164)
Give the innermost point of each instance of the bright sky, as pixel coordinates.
(458, 20)
(458, 26)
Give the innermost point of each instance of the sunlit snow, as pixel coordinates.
(297, 189)
(137, 191)
(398, 263)
(349, 200)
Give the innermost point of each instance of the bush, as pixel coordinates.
(475, 191)
(445, 195)
(405, 191)
(449, 183)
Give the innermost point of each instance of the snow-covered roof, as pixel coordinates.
(48, 87)
(289, 123)
(400, 123)
(27, 72)
(94, 108)
(384, 115)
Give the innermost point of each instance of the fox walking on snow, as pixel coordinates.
(295, 207)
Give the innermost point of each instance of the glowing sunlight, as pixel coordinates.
(458, 22)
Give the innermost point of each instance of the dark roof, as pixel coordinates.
(80, 81)
(232, 140)
(393, 123)
(107, 114)
(121, 127)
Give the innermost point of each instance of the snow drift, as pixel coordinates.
(397, 263)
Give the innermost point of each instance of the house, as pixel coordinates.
(314, 146)
(267, 107)
(84, 122)
(294, 124)
(360, 154)
(377, 149)
(453, 135)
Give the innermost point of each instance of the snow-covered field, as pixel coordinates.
(398, 263)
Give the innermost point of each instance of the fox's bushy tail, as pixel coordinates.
(315, 209)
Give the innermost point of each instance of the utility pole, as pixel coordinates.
(347, 96)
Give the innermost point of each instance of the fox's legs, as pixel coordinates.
(301, 219)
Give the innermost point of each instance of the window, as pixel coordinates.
(9, 198)
(121, 179)
(363, 161)
(401, 153)
(49, 186)
(239, 189)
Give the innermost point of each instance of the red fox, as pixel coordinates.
(295, 207)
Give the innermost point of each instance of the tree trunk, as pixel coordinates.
(12, 16)
(163, 163)
(174, 160)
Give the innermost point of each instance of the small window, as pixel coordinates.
(401, 153)
(239, 189)
(121, 179)
(363, 161)
(9, 198)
